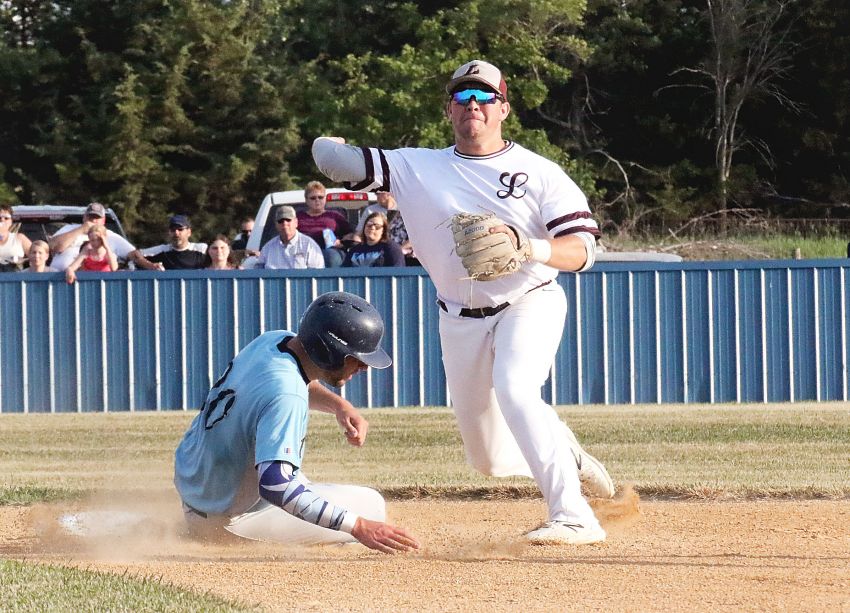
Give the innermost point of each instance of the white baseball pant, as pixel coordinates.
(495, 367)
(267, 522)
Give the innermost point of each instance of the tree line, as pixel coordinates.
(662, 110)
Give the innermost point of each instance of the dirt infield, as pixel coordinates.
(659, 556)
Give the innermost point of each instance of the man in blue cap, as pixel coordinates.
(178, 253)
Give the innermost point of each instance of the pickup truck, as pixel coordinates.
(345, 201)
(41, 221)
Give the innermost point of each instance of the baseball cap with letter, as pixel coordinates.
(478, 71)
(284, 212)
(95, 209)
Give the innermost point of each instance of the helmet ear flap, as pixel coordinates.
(324, 354)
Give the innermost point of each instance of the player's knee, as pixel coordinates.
(515, 394)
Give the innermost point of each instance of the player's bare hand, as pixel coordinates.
(383, 537)
(353, 424)
(336, 139)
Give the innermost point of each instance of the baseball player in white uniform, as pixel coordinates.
(237, 467)
(499, 337)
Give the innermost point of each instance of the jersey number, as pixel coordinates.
(217, 405)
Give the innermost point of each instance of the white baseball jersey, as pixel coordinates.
(520, 187)
(506, 427)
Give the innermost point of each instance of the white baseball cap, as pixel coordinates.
(479, 71)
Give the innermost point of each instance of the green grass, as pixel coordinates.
(738, 247)
(729, 450)
(782, 247)
(38, 588)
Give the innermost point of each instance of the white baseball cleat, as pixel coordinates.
(591, 472)
(565, 533)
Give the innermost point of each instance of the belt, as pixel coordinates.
(482, 312)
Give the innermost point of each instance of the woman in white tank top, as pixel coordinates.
(13, 245)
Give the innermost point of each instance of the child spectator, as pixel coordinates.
(94, 256)
(67, 241)
(38, 255)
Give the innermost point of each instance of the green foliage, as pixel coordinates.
(40, 587)
(203, 107)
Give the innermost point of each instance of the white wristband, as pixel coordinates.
(541, 250)
(348, 521)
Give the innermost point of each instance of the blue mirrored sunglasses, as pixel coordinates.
(481, 97)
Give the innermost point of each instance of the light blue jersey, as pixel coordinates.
(256, 412)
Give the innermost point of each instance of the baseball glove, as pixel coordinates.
(488, 256)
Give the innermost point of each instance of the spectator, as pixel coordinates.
(398, 235)
(13, 245)
(219, 254)
(178, 253)
(94, 256)
(67, 241)
(38, 255)
(324, 227)
(241, 240)
(386, 204)
(375, 248)
(290, 249)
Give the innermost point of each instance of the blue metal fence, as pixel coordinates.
(760, 331)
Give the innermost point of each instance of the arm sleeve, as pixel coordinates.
(279, 486)
(155, 250)
(590, 248)
(339, 162)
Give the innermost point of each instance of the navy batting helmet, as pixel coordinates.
(338, 324)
